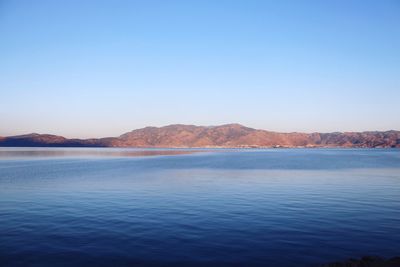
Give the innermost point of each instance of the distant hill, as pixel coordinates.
(228, 136)
(49, 140)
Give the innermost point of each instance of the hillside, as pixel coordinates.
(229, 135)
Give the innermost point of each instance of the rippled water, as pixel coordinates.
(127, 207)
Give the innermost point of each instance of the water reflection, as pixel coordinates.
(280, 208)
(9, 153)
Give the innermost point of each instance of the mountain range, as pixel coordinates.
(226, 136)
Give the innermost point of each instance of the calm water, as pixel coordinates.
(116, 207)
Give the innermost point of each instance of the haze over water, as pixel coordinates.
(264, 207)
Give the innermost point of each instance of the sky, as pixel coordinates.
(82, 68)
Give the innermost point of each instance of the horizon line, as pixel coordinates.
(203, 126)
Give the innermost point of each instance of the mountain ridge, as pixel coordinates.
(225, 136)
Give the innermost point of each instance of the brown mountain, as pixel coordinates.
(229, 135)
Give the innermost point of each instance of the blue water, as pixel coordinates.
(122, 207)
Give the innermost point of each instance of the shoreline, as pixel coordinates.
(366, 261)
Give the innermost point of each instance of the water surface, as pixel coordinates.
(138, 207)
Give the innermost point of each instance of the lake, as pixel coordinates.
(217, 207)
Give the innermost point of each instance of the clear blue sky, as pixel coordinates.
(83, 68)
